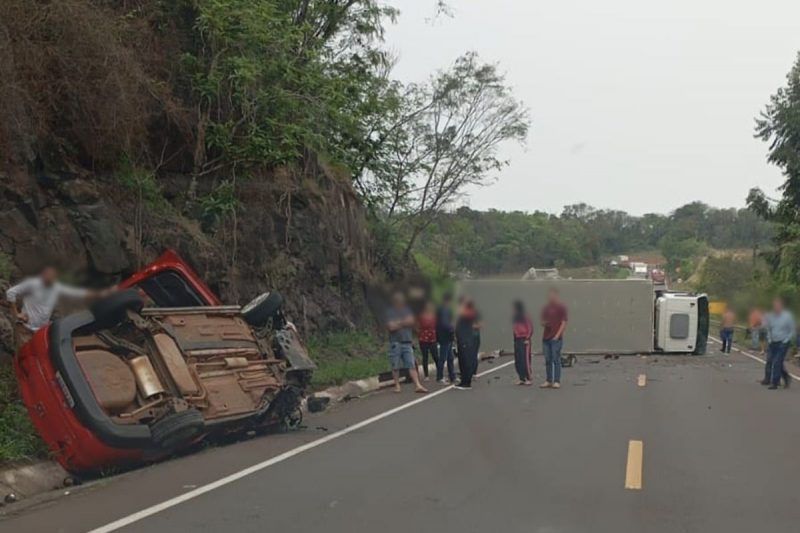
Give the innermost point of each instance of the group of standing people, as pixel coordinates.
(775, 328)
(442, 331)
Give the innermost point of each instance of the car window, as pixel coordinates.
(169, 289)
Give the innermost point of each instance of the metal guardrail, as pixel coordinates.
(741, 328)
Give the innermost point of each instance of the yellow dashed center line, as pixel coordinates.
(633, 471)
(642, 380)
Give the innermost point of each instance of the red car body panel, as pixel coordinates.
(48, 401)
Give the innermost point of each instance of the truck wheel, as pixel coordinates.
(262, 308)
(177, 428)
(110, 311)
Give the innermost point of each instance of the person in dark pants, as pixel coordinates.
(426, 334)
(554, 322)
(726, 330)
(476, 346)
(445, 333)
(780, 332)
(523, 331)
(466, 343)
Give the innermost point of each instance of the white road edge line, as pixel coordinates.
(177, 500)
(748, 354)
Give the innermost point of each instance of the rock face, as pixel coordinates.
(302, 232)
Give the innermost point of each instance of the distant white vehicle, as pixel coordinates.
(541, 273)
(639, 270)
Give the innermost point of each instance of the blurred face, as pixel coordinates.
(777, 305)
(552, 295)
(49, 275)
(398, 299)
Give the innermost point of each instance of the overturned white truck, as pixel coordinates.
(605, 316)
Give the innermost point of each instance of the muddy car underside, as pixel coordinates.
(184, 372)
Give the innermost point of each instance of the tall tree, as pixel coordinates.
(779, 125)
(443, 139)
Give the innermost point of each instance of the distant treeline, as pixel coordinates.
(487, 242)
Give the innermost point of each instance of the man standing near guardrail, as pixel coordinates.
(554, 322)
(780, 332)
(755, 323)
(726, 330)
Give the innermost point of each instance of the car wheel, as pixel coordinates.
(177, 428)
(110, 311)
(258, 312)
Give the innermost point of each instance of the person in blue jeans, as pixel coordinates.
(445, 333)
(554, 323)
(400, 324)
(727, 329)
(780, 326)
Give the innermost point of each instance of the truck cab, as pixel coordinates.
(681, 322)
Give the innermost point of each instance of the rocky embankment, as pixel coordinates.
(301, 231)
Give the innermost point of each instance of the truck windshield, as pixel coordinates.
(703, 320)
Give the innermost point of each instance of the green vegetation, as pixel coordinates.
(221, 90)
(490, 242)
(741, 282)
(346, 356)
(18, 440)
(779, 126)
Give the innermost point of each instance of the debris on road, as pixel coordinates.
(317, 404)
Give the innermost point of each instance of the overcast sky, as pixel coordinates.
(637, 105)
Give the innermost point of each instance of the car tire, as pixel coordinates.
(110, 311)
(177, 428)
(265, 306)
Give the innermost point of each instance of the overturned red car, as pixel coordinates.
(158, 366)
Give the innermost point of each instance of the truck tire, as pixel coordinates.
(258, 312)
(177, 428)
(110, 311)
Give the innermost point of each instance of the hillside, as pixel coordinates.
(220, 129)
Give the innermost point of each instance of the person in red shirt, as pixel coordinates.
(523, 331)
(554, 322)
(426, 334)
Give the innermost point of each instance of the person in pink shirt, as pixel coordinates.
(523, 331)
(426, 334)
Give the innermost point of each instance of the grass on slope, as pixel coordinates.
(346, 356)
(19, 442)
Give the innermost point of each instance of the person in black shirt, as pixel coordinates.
(445, 333)
(467, 339)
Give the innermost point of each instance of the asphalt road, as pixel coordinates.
(719, 454)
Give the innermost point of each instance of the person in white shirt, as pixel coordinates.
(34, 299)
